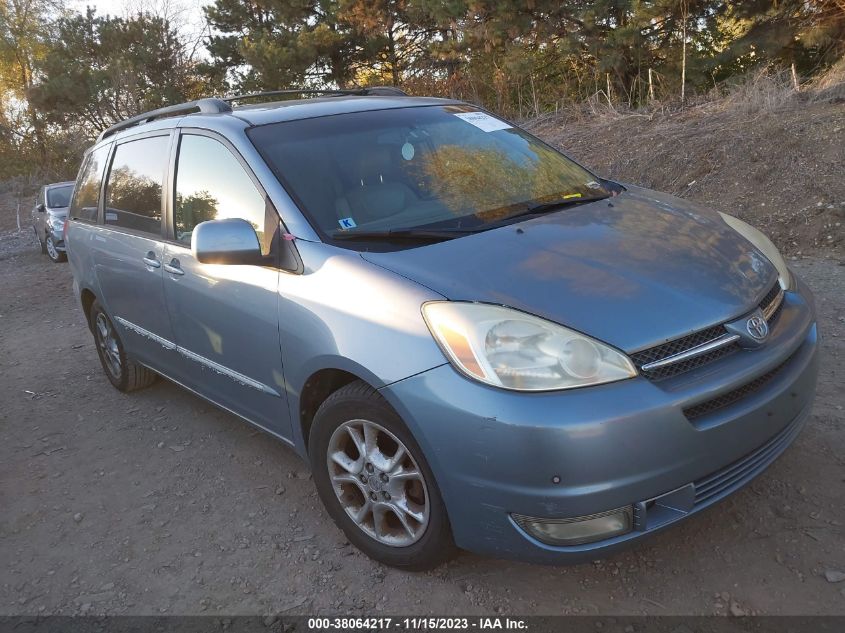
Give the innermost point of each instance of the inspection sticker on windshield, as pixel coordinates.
(483, 121)
(347, 223)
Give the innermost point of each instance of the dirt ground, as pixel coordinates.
(159, 503)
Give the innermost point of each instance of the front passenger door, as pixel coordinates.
(225, 317)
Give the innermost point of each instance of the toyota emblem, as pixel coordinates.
(757, 328)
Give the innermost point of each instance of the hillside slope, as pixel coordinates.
(780, 167)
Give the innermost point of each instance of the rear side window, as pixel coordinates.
(212, 185)
(133, 190)
(86, 194)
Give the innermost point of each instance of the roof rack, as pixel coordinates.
(214, 105)
(205, 106)
(385, 91)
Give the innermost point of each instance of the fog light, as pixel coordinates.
(578, 530)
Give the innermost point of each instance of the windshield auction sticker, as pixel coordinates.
(483, 121)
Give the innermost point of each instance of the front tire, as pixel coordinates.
(124, 374)
(375, 483)
(52, 252)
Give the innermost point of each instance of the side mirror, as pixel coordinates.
(231, 241)
(40, 207)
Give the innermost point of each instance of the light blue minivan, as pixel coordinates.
(473, 340)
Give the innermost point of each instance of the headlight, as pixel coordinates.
(507, 348)
(764, 245)
(57, 225)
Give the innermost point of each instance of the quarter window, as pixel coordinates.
(86, 194)
(133, 191)
(212, 185)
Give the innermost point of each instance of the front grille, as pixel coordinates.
(689, 364)
(664, 350)
(772, 303)
(776, 313)
(659, 352)
(731, 397)
(770, 297)
(742, 470)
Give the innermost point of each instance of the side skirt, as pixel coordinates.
(225, 408)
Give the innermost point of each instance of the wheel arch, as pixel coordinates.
(315, 390)
(87, 299)
(311, 384)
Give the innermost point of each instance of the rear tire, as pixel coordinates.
(124, 374)
(378, 488)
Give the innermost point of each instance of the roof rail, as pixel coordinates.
(385, 91)
(205, 106)
(214, 105)
(374, 91)
(274, 93)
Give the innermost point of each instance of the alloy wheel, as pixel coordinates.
(378, 483)
(107, 342)
(51, 249)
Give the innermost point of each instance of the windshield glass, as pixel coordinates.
(431, 167)
(59, 196)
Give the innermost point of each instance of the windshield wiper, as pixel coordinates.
(530, 209)
(434, 235)
(544, 207)
(440, 235)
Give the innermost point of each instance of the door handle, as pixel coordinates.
(174, 268)
(151, 261)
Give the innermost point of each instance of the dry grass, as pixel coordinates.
(829, 86)
(763, 91)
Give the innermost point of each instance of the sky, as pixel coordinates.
(186, 15)
(119, 7)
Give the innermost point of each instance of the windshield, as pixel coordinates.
(432, 167)
(59, 196)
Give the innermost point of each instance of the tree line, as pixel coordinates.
(65, 75)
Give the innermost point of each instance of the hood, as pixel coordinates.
(59, 213)
(633, 271)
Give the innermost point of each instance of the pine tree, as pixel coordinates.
(104, 69)
(281, 43)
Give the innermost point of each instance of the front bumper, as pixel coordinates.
(58, 242)
(495, 453)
